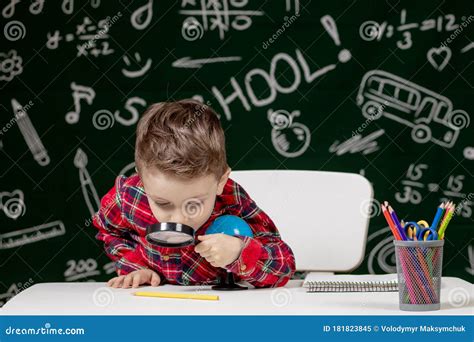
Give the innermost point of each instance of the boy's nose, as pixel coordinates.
(177, 217)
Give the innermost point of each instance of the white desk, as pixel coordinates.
(79, 299)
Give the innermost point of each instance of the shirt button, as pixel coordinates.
(166, 257)
(243, 267)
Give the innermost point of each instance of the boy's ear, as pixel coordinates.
(222, 181)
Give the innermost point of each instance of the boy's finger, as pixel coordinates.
(203, 246)
(118, 281)
(155, 279)
(136, 280)
(110, 282)
(127, 281)
(207, 253)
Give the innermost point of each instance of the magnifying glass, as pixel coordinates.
(170, 234)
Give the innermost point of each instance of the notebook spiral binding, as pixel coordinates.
(352, 286)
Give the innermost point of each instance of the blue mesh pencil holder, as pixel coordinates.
(419, 268)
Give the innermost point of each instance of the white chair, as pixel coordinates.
(321, 215)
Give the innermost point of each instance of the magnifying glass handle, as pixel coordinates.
(227, 283)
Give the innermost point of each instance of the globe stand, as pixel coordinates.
(227, 283)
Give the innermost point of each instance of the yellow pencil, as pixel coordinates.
(176, 295)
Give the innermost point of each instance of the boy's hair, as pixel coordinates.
(182, 138)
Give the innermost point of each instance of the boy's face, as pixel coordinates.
(186, 201)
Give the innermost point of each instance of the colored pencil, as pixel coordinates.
(390, 223)
(397, 223)
(438, 215)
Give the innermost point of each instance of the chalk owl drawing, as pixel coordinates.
(290, 139)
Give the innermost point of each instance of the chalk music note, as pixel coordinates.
(79, 93)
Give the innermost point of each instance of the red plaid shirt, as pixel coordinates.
(265, 260)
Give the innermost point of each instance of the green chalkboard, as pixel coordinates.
(381, 88)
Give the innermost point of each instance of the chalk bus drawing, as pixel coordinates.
(88, 189)
(29, 134)
(430, 115)
(290, 139)
(33, 234)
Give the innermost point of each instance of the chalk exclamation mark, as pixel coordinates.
(330, 25)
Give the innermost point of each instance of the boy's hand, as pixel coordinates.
(219, 249)
(135, 278)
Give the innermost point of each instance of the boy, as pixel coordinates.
(182, 176)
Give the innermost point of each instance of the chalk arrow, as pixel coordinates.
(188, 63)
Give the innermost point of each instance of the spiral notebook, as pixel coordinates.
(315, 282)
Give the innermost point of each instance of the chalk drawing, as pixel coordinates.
(87, 186)
(429, 115)
(189, 63)
(139, 72)
(30, 135)
(141, 17)
(13, 203)
(434, 55)
(79, 93)
(30, 235)
(216, 15)
(11, 65)
(290, 139)
(357, 143)
(383, 254)
(80, 269)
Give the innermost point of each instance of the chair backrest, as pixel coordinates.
(321, 215)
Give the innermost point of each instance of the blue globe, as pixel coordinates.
(231, 225)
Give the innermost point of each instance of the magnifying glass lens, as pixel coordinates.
(170, 234)
(170, 237)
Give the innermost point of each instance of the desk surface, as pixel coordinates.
(457, 298)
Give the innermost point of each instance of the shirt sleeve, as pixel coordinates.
(114, 231)
(265, 260)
